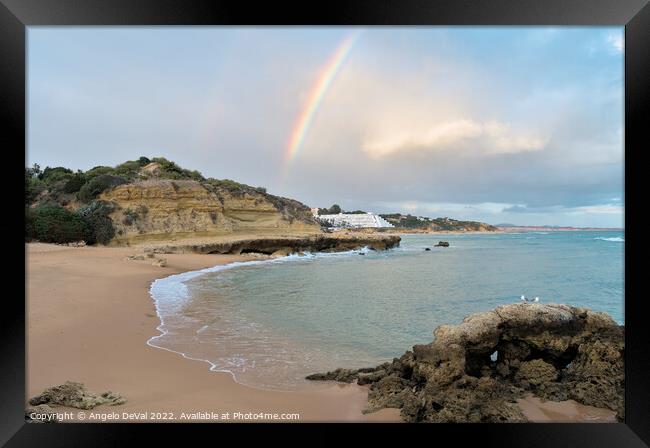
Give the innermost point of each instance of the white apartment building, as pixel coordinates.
(361, 220)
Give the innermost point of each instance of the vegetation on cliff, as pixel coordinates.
(436, 224)
(64, 206)
(333, 210)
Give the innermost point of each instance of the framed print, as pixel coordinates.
(388, 213)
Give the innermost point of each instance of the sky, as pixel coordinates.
(520, 125)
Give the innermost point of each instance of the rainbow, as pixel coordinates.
(316, 95)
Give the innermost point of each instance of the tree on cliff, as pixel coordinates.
(333, 210)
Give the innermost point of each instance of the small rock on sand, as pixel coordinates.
(75, 395)
(160, 262)
(41, 413)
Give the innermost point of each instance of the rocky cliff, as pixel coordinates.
(474, 372)
(277, 244)
(420, 224)
(168, 208)
(160, 209)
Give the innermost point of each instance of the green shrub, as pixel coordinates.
(170, 170)
(52, 175)
(75, 183)
(100, 226)
(142, 210)
(130, 216)
(99, 170)
(142, 161)
(30, 233)
(233, 186)
(54, 224)
(128, 169)
(33, 186)
(333, 210)
(97, 185)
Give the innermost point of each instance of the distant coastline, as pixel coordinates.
(497, 230)
(557, 229)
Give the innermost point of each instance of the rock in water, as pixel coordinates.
(75, 395)
(557, 352)
(442, 244)
(427, 248)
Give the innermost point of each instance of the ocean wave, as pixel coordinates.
(171, 291)
(616, 239)
(170, 294)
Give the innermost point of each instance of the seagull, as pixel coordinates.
(523, 299)
(536, 299)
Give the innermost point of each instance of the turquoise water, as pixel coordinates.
(272, 323)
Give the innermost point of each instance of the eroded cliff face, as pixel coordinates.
(163, 209)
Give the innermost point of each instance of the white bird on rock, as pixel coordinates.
(523, 299)
(536, 299)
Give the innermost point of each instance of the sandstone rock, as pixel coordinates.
(186, 208)
(536, 372)
(135, 257)
(160, 262)
(75, 395)
(283, 252)
(284, 243)
(558, 351)
(41, 413)
(340, 375)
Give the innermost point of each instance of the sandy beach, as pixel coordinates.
(89, 316)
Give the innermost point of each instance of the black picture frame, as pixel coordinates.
(16, 15)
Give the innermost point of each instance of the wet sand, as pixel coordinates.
(89, 316)
(570, 411)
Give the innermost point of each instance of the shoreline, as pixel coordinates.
(182, 277)
(90, 316)
(73, 337)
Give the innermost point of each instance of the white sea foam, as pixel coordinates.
(171, 293)
(615, 239)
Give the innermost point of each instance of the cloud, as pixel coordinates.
(616, 41)
(438, 209)
(491, 137)
(436, 122)
(516, 209)
(597, 209)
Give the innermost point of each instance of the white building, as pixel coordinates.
(360, 220)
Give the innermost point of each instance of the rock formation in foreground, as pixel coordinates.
(556, 352)
(75, 395)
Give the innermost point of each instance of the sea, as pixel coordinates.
(272, 322)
